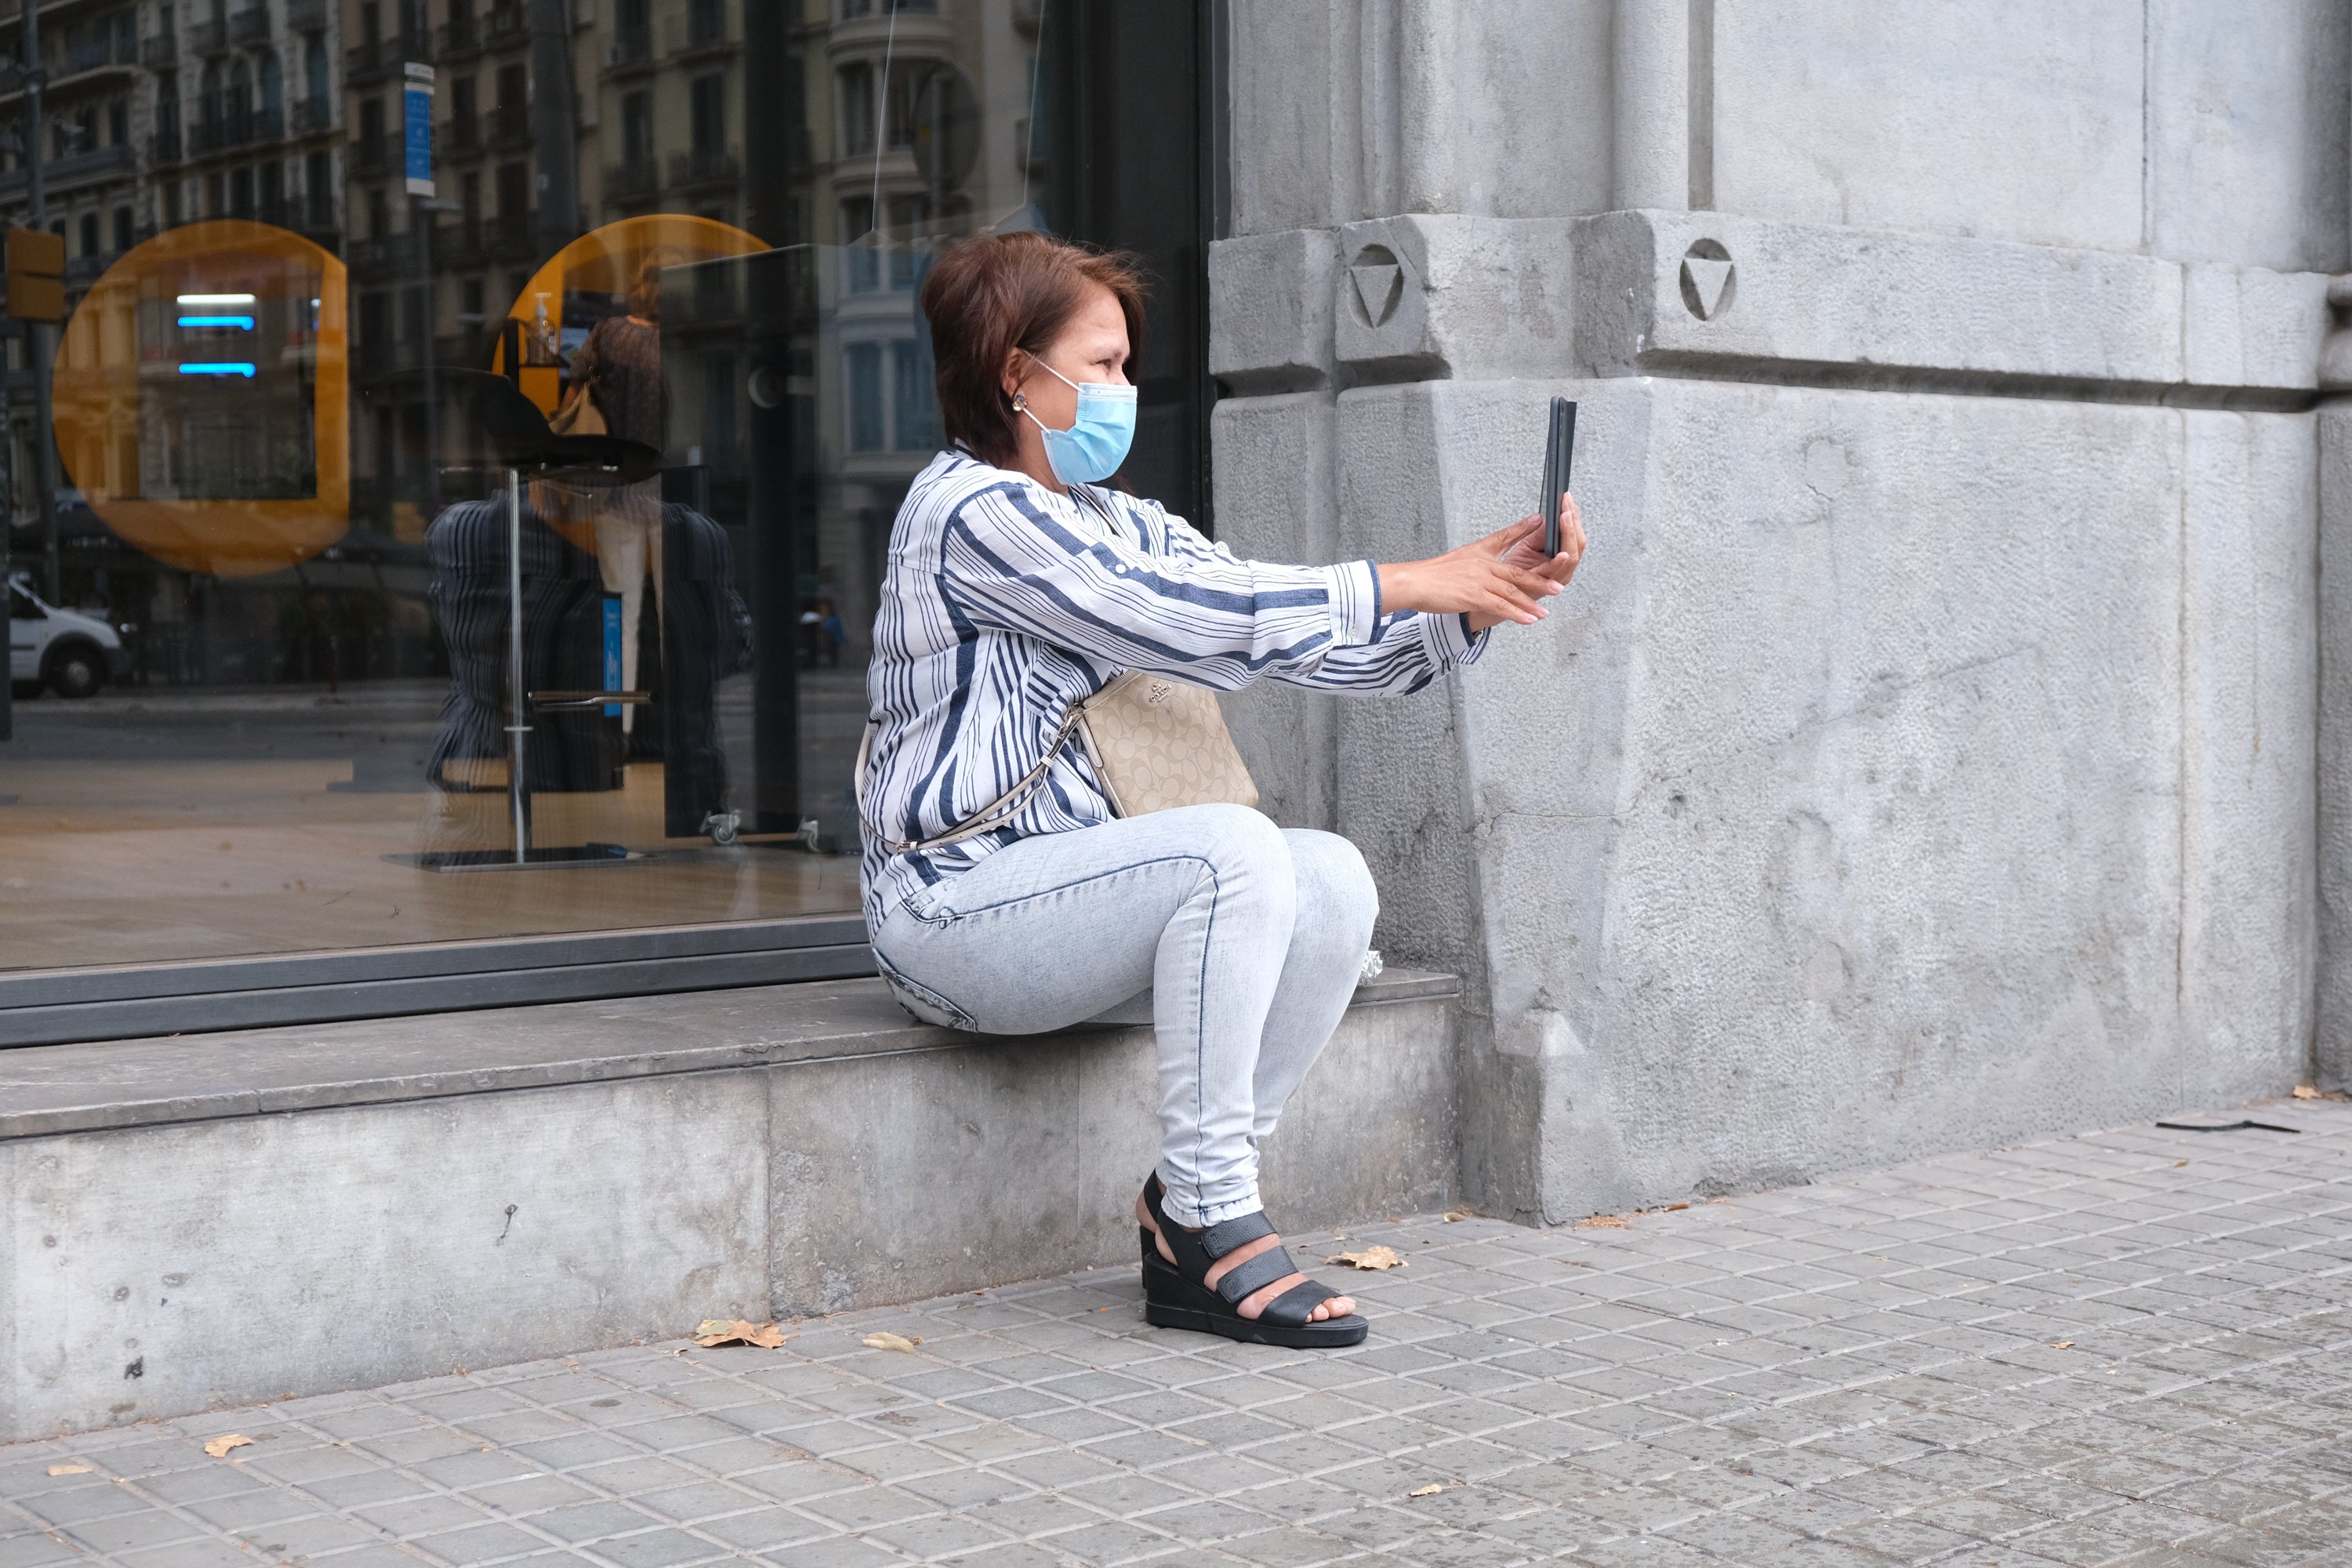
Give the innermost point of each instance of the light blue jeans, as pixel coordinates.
(1245, 939)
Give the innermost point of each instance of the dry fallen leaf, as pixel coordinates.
(884, 1341)
(1430, 1491)
(2306, 1091)
(71, 1469)
(1370, 1258)
(726, 1332)
(1670, 1208)
(2062, 1344)
(1453, 1215)
(219, 1446)
(1604, 1222)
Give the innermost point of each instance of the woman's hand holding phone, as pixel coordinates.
(1502, 577)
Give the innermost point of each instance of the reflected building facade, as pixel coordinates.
(159, 116)
(359, 270)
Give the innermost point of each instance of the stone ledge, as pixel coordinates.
(50, 1090)
(1895, 303)
(1436, 297)
(404, 1197)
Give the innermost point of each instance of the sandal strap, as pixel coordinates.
(1197, 1250)
(1227, 1234)
(1192, 1260)
(1297, 1305)
(1246, 1279)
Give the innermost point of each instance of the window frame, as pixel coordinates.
(92, 1003)
(104, 1002)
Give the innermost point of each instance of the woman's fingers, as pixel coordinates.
(1521, 591)
(1572, 524)
(1504, 537)
(1534, 581)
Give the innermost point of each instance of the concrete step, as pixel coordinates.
(222, 1219)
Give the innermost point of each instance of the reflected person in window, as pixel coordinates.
(1018, 584)
(620, 366)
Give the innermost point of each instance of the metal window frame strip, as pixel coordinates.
(65, 1006)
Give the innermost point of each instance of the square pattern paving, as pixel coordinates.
(2130, 1347)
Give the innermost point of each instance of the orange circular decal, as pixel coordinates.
(604, 263)
(200, 399)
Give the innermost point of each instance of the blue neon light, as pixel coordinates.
(221, 367)
(242, 323)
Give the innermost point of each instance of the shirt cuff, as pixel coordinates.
(1355, 602)
(1451, 642)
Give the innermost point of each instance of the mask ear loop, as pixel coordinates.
(1021, 399)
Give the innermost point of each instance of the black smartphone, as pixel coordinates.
(1558, 451)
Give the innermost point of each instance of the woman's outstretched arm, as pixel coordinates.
(1411, 645)
(1007, 564)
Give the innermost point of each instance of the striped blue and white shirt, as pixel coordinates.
(1007, 603)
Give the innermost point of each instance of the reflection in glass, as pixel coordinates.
(199, 398)
(701, 223)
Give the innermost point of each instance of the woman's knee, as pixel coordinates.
(1237, 835)
(1333, 880)
(1240, 848)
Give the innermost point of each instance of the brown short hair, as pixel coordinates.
(645, 290)
(998, 292)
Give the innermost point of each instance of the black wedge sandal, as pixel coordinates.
(1174, 1295)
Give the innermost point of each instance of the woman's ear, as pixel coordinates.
(1016, 364)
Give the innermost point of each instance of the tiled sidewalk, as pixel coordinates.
(2124, 1347)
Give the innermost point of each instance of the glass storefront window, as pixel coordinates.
(478, 426)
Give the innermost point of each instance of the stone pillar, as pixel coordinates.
(1927, 753)
(2332, 1050)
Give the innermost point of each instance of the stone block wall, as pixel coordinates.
(1932, 751)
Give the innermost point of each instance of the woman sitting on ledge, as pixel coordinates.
(1018, 586)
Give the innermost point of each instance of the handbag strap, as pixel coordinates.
(1002, 809)
(990, 817)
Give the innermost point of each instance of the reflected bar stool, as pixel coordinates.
(484, 421)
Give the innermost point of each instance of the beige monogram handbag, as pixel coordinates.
(1156, 743)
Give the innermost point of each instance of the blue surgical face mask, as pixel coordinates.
(1095, 443)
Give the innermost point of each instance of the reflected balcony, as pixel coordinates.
(631, 51)
(374, 356)
(312, 116)
(158, 51)
(705, 166)
(511, 128)
(383, 56)
(633, 179)
(703, 30)
(84, 271)
(231, 129)
(461, 136)
(507, 27)
(307, 15)
(317, 221)
(373, 156)
(208, 37)
(385, 257)
(250, 25)
(514, 237)
(165, 147)
(87, 52)
(464, 245)
(460, 39)
(59, 174)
